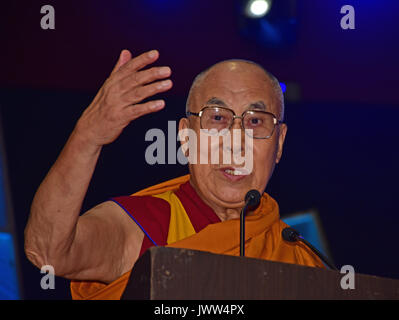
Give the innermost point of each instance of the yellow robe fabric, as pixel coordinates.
(262, 239)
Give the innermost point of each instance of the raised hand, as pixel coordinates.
(118, 102)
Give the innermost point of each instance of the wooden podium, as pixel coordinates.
(180, 274)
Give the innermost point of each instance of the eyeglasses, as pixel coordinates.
(261, 123)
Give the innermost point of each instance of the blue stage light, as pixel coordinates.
(257, 8)
(283, 87)
(277, 30)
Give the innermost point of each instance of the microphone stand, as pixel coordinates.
(252, 200)
(318, 253)
(291, 235)
(242, 230)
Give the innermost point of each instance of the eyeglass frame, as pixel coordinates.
(276, 122)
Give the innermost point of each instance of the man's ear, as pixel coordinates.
(183, 124)
(282, 130)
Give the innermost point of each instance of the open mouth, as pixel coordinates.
(234, 174)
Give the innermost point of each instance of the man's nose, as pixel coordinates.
(237, 125)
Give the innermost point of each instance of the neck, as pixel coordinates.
(223, 213)
(228, 214)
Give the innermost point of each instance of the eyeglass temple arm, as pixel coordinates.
(189, 113)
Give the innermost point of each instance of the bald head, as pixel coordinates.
(235, 68)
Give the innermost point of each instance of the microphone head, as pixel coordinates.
(252, 198)
(290, 234)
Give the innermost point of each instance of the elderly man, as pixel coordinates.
(200, 211)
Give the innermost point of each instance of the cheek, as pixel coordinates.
(202, 171)
(264, 158)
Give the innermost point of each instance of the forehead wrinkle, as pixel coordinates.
(258, 105)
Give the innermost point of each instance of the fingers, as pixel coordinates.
(138, 110)
(136, 64)
(145, 76)
(142, 92)
(124, 57)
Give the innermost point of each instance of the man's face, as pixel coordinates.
(238, 86)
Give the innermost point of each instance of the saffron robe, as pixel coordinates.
(172, 214)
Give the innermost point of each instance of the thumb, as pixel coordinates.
(124, 57)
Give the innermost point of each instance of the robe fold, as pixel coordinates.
(172, 214)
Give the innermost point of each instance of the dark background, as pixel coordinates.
(342, 106)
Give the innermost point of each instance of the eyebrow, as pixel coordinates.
(216, 101)
(259, 105)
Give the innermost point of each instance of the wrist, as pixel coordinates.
(83, 144)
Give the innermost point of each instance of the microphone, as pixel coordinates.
(252, 200)
(291, 235)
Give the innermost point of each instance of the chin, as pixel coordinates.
(231, 193)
